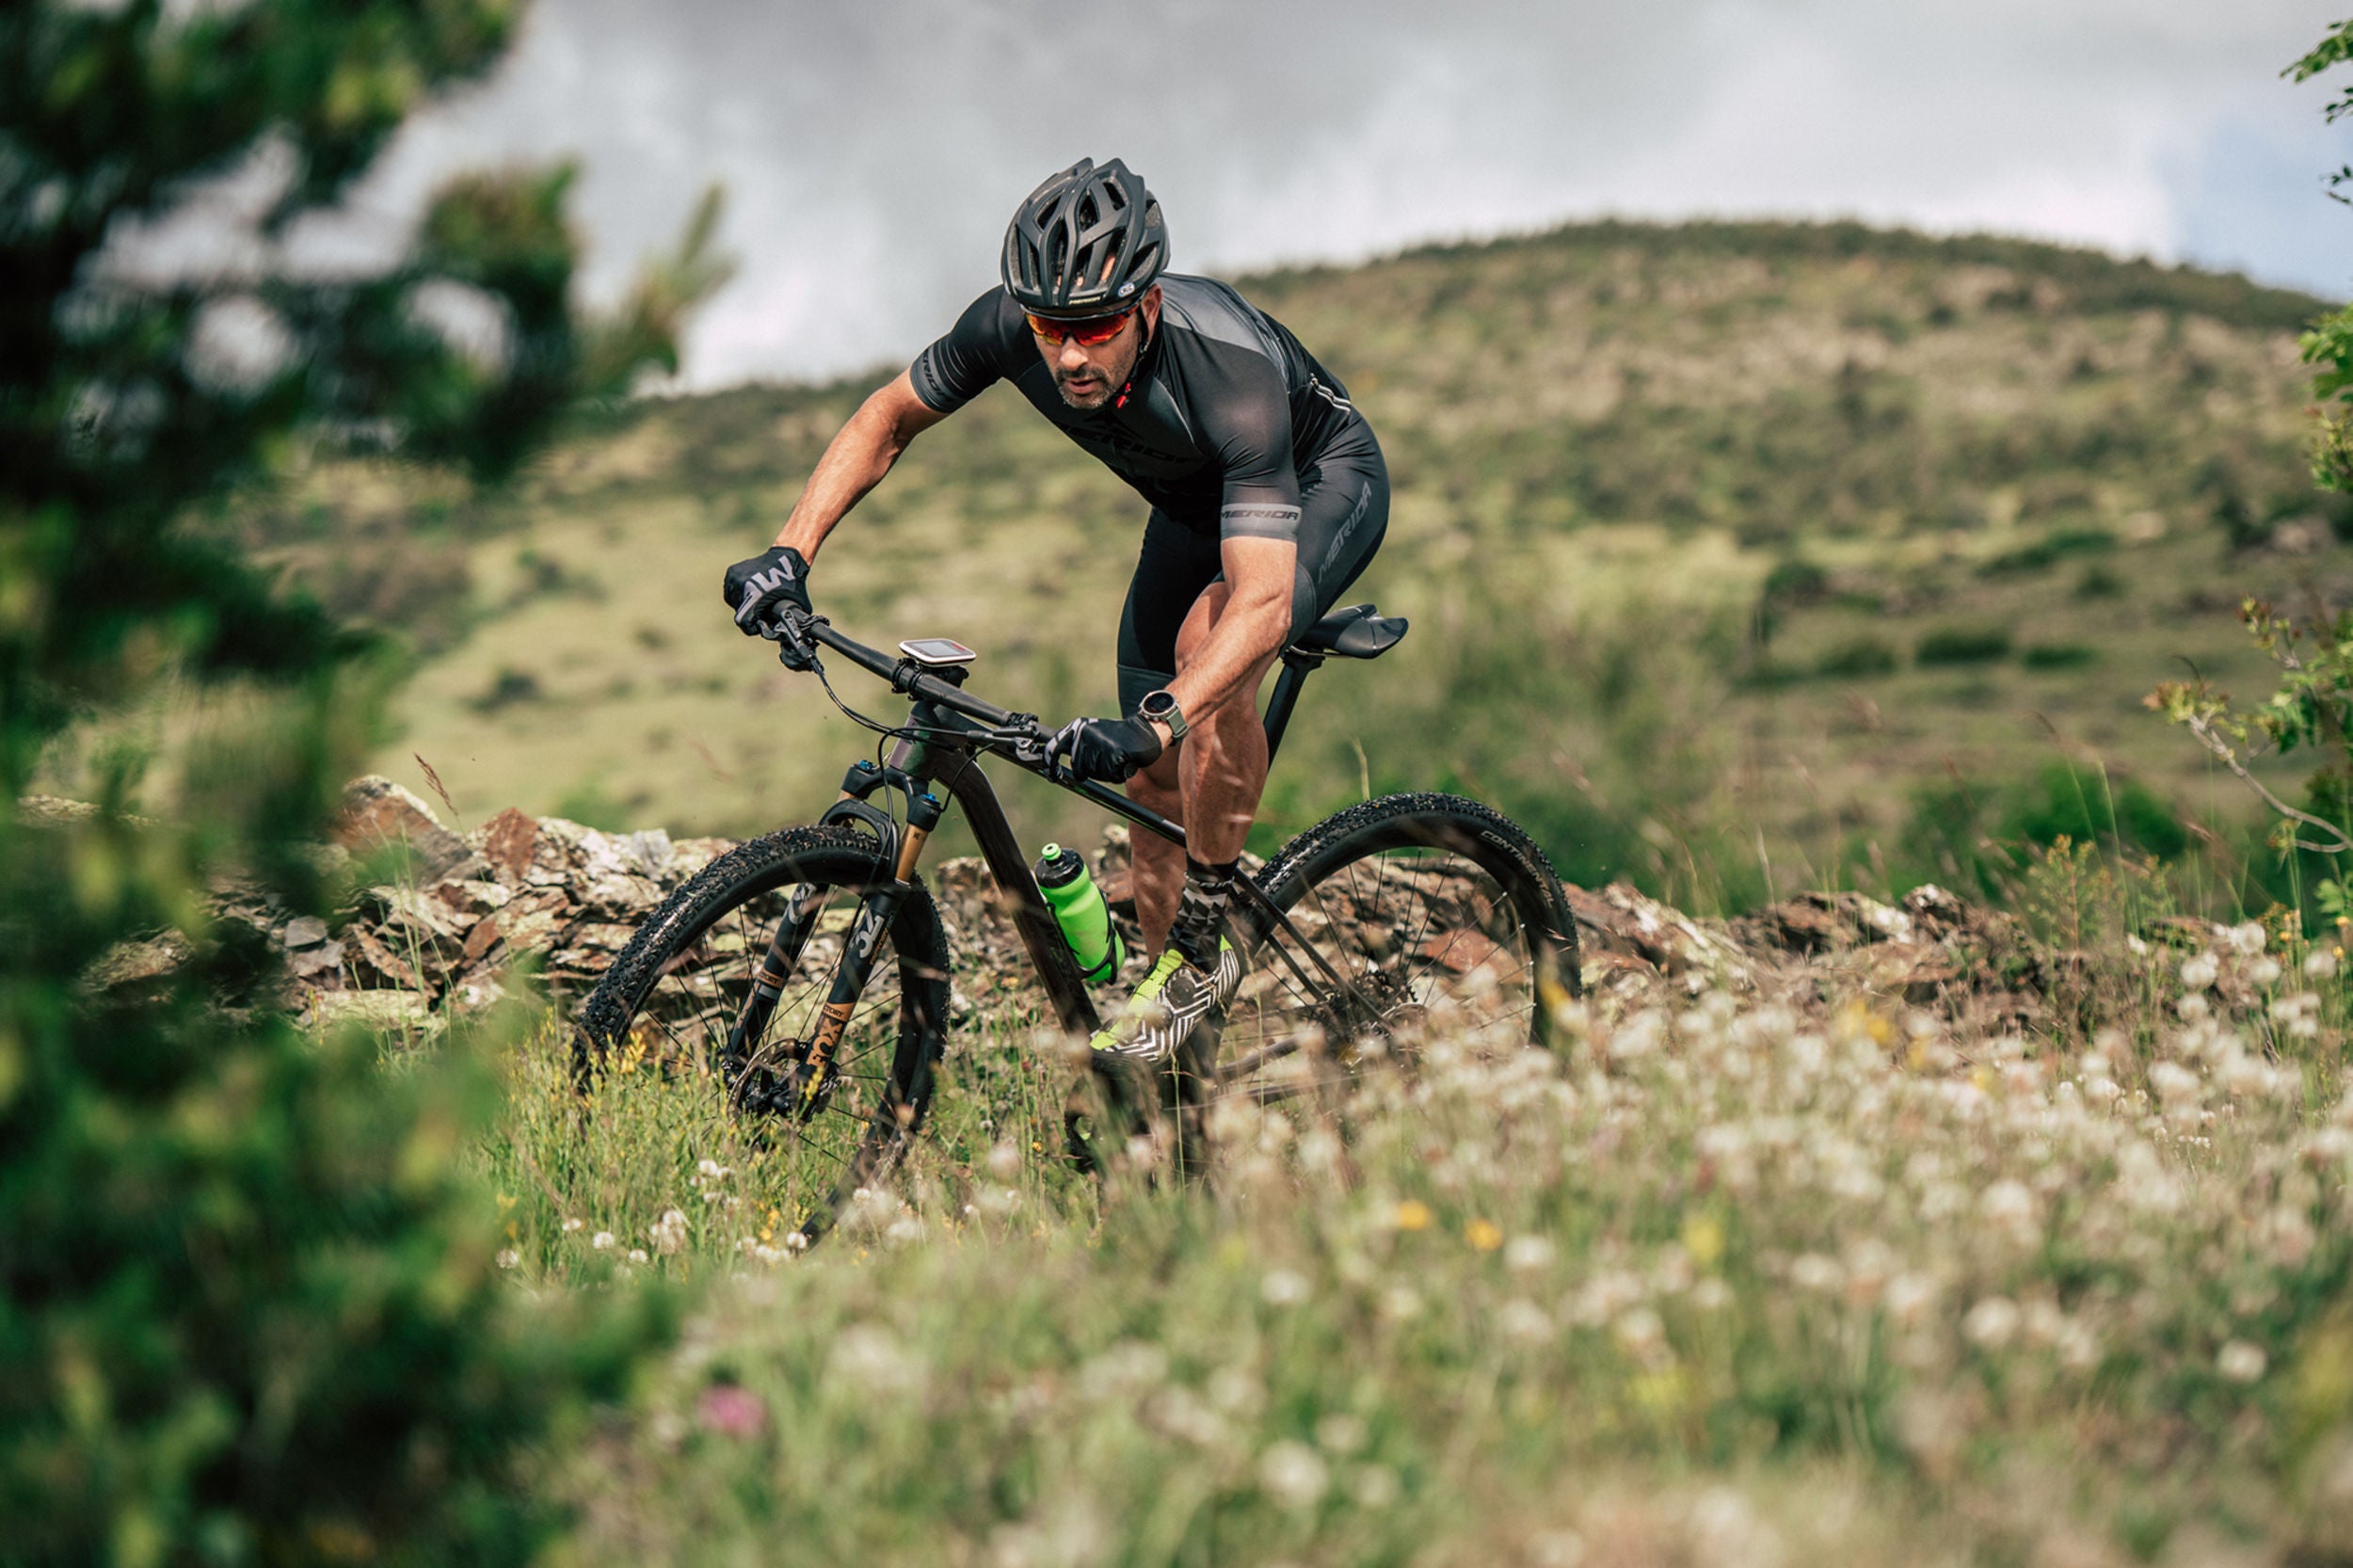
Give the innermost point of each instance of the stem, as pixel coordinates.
(2221, 749)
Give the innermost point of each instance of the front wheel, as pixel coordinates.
(1403, 917)
(728, 989)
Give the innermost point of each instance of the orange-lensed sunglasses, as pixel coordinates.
(1091, 333)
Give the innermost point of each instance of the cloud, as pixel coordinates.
(872, 152)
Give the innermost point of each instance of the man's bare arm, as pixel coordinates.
(860, 453)
(1256, 620)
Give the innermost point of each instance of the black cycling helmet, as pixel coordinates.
(1086, 243)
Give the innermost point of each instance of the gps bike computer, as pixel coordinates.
(936, 650)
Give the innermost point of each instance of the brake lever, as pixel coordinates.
(791, 641)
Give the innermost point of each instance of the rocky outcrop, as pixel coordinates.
(455, 913)
(440, 933)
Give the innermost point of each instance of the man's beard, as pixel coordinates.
(1101, 385)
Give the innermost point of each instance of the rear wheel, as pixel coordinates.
(687, 1001)
(1404, 918)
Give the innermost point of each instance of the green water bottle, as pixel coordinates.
(1079, 910)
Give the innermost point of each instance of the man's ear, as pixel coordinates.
(1150, 306)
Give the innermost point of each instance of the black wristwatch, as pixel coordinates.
(1160, 708)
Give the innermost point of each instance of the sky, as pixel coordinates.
(873, 152)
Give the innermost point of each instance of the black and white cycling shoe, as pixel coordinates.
(1168, 1004)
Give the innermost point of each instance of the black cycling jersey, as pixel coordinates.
(1225, 411)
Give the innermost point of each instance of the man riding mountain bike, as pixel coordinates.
(1269, 496)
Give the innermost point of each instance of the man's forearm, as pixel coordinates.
(855, 461)
(1246, 635)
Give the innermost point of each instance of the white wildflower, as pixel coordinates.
(2200, 972)
(1990, 1323)
(2240, 1361)
(668, 1232)
(1373, 1486)
(509, 1257)
(1293, 1475)
(2320, 964)
(2263, 971)
(1908, 1298)
(1726, 1531)
(2010, 1207)
(601, 1241)
(638, 1255)
(1283, 1287)
(2245, 940)
(1341, 1433)
(1641, 1335)
(1526, 1254)
(1814, 1273)
(870, 1357)
(1523, 1322)
(571, 1225)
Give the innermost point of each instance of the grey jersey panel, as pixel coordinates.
(1224, 409)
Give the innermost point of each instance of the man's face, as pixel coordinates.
(1089, 375)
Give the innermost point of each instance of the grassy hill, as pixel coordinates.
(1740, 556)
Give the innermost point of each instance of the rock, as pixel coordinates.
(505, 842)
(310, 963)
(574, 896)
(482, 939)
(130, 966)
(376, 811)
(474, 897)
(376, 960)
(534, 921)
(620, 896)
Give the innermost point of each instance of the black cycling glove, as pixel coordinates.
(1111, 750)
(759, 589)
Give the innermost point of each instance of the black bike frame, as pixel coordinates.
(954, 727)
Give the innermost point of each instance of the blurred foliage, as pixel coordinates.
(2329, 344)
(248, 1311)
(2310, 709)
(1979, 837)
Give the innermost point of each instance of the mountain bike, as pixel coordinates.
(808, 972)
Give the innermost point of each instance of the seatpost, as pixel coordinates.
(1296, 665)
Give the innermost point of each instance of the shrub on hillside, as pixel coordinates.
(1976, 835)
(1961, 645)
(1857, 658)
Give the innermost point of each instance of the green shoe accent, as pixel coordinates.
(1172, 1000)
(1143, 1005)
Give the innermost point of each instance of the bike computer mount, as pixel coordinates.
(936, 652)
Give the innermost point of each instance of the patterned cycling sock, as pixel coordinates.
(1201, 911)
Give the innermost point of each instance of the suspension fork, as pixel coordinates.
(814, 1068)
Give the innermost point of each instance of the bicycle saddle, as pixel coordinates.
(1353, 631)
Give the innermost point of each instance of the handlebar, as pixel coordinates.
(908, 677)
(1017, 736)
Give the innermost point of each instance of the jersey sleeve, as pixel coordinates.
(1252, 437)
(977, 352)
